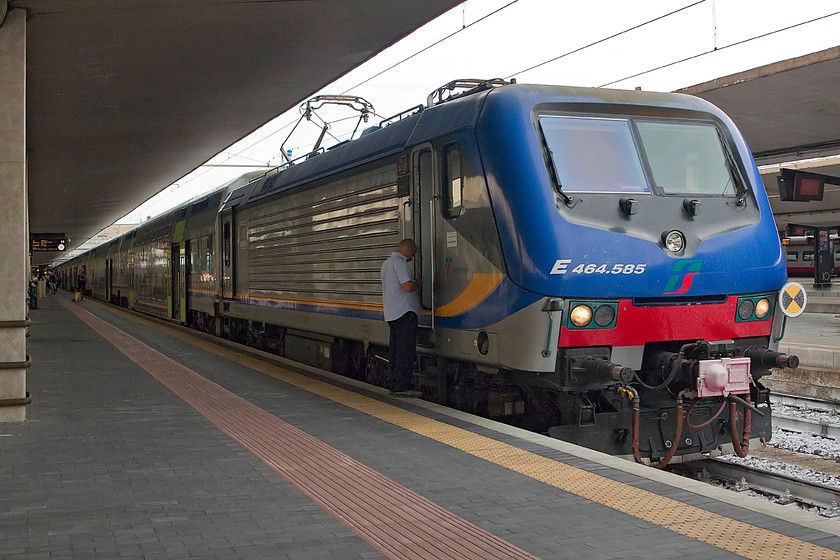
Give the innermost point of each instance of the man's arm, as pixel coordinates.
(411, 285)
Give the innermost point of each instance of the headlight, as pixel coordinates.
(762, 308)
(604, 315)
(674, 241)
(745, 309)
(581, 315)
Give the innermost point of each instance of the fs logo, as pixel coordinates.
(683, 273)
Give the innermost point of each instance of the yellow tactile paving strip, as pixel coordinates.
(723, 532)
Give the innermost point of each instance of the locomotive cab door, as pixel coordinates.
(426, 209)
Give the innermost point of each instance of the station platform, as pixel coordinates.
(144, 441)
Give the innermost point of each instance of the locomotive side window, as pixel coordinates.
(453, 181)
(580, 147)
(686, 158)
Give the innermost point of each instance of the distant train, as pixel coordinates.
(799, 255)
(598, 265)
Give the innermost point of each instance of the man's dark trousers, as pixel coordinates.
(403, 350)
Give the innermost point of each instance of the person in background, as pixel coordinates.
(33, 294)
(81, 283)
(401, 299)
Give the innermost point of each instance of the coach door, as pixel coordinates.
(175, 281)
(426, 215)
(227, 253)
(132, 282)
(179, 282)
(109, 279)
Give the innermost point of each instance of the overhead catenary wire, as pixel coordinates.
(603, 40)
(439, 41)
(718, 49)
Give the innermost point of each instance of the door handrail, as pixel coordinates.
(432, 252)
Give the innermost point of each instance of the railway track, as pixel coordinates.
(804, 426)
(781, 488)
(828, 426)
(805, 403)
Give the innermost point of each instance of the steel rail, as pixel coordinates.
(820, 428)
(806, 403)
(785, 487)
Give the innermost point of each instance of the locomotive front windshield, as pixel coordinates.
(623, 155)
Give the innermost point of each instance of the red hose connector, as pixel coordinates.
(742, 446)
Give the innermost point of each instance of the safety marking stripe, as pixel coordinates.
(717, 530)
(481, 286)
(319, 302)
(148, 303)
(396, 521)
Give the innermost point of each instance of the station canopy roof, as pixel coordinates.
(788, 111)
(124, 97)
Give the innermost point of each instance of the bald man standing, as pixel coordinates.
(401, 298)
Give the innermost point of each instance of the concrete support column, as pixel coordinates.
(14, 239)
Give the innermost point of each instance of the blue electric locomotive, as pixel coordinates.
(600, 265)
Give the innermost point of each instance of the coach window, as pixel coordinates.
(453, 181)
(226, 245)
(792, 256)
(194, 262)
(201, 256)
(209, 252)
(808, 256)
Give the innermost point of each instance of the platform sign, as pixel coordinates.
(802, 186)
(793, 299)
(796, 230)
(47, 242)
